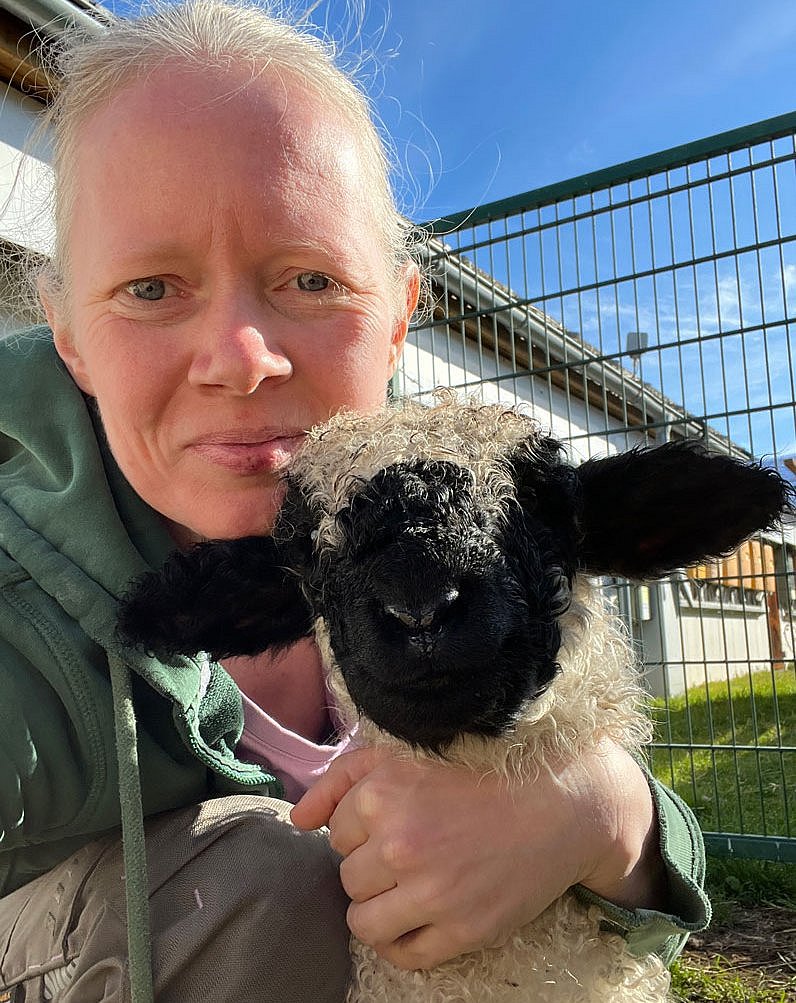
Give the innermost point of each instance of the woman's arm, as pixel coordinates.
(439, 861)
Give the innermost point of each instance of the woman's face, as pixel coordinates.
(227, 288)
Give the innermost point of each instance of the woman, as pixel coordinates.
(229, 270)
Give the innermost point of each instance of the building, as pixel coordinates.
(25, 225)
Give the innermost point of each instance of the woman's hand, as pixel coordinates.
(439, 861)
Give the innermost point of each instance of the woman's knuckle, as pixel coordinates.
(336, 841)
(372, 802)
(350, 879)
(411, 957)
(400, 852)
(468, 934)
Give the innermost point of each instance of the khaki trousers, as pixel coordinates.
(244, 908)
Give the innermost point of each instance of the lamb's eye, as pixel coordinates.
(313, 282)
(147, 289)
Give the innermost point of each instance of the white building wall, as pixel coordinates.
(687, 641)
(731, 643)
(25, 217)
(432, 359)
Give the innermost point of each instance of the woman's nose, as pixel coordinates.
(238, 357)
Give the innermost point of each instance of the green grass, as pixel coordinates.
(748, 883)
(739, 791)
(731, 789)
(712, 984)
(733, 884)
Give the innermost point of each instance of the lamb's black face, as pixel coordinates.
(431, 616)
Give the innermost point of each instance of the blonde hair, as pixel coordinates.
(205, 34)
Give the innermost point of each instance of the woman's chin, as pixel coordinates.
(229, 521)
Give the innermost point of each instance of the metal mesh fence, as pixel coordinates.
(652, 301)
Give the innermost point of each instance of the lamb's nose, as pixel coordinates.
(424, 617)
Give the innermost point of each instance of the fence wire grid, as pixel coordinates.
(652, 301)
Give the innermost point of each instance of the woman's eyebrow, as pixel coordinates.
(145, 256)
(328, 249)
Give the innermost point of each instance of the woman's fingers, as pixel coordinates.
(319, 803)
(402, 930)
(364, 875)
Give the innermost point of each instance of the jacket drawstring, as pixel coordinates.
(139, 942)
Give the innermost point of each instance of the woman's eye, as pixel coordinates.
(147, 289)
(313, 282)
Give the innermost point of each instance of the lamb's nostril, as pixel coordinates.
(424, 617)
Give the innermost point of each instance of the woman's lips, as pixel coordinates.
(268, 455)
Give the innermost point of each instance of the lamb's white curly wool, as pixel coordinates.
(338, 458)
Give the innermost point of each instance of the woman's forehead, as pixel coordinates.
(182, 142)
(270, 111)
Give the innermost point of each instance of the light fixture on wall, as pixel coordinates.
(635, 343)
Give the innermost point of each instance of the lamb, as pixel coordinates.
(442, 559)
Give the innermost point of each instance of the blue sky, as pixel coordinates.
(489, 98)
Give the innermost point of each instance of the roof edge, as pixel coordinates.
(51, 18)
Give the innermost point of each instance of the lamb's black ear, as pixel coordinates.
(228, 597)
(648, 511)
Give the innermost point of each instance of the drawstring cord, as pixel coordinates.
(139, 942)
